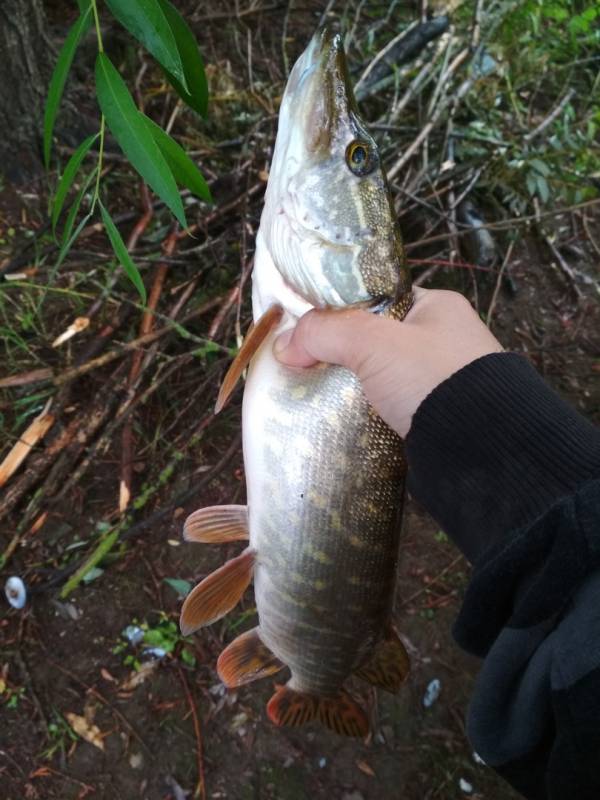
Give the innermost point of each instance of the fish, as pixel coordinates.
(324, 473)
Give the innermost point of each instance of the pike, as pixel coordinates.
(325, 475)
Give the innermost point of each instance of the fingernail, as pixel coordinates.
(282, 341)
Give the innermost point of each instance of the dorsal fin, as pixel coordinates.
(254, 338)
(340, 714)
(388, 666)
(246, 659)
(217, 594)
(217, 525)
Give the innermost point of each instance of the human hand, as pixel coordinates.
(398, 363)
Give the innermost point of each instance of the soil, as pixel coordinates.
(67, 665)
(154, 739)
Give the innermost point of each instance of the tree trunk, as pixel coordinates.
(24, 73)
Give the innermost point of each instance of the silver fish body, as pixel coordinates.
(325, 490)
(324, 473)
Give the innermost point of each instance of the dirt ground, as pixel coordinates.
(62, 658)
(164, 728)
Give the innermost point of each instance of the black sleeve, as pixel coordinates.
(512, 474)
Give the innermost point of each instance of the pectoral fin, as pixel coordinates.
(340, 714)
(245, 660)
(389, 665)
(217, 525)
(217, 594)
(255, 337)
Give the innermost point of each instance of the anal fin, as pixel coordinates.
(217, 525)
(217, 594)
(341, 713)
(245, 660)
(255, 337)
(389, 665)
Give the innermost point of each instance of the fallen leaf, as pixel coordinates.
(364, 767)
(107, 676)
(28, 439)
(91, 733)
(80, 324)
(138, 677)
(40, 772)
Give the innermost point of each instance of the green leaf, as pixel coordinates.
(180, 586)
(67, 241)
(183, 168)
(195, 93)
(68, 177)
(73, 211)
(94, 573)
(555, 12)
(134, 138)
(543, 189)
(540, 166)
(188, 657)
(531, 184)
(121, 253)
(101, 550)
(145, 20)
(59, 76)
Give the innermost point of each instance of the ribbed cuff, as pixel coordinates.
(493, 447)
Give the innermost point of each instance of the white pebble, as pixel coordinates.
(15, 592)
(322, 762)
(155, 652)
(134, 634)
(465, 786)
(432, 692)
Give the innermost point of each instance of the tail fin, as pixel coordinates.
(340, 714)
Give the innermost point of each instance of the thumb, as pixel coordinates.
(334, 336)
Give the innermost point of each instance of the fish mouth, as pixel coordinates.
(322, 48)
(319, 95)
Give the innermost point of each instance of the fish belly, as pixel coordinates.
(325, 491)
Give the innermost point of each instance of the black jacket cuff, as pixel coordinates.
(493, 447)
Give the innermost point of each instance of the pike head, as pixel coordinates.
(328, 220)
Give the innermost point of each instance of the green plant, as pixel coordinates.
(10, 695)
(160, 639)
(535, 126)
(60, 736)
(160, 161)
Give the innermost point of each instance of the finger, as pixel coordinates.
(336, 337)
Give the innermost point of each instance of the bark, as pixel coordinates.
(26, 60)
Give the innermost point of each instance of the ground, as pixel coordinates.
(85, 712)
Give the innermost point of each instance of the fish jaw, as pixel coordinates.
(328, 226)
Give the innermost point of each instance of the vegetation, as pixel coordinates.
(157, 157)
(110, 372)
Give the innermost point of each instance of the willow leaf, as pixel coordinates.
(121, 252)
(185, 172)
(59, 77)
(146, 21)
(68, 176)
(133, 136)
(195, 92)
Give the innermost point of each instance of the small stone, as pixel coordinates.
(136, 760)
(15, 592)
(465, 786)
(134, 634)
(322, 762)
(432, 692)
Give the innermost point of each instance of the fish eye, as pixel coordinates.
(360, 157)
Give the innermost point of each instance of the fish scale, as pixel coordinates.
(324, 473)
